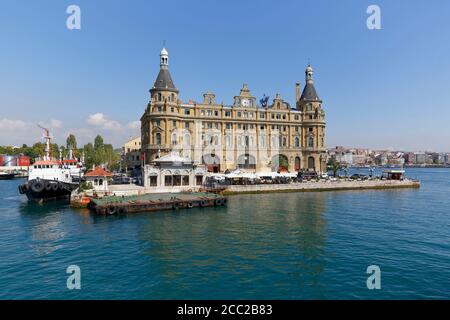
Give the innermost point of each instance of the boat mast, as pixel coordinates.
(47, 143)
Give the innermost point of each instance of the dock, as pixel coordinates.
(317, 186)
(112, 205)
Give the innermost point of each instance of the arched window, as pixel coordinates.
(297, 142)
(297, 164)
(262, 141)
(159, 96)
(246, 161)
(158, 138)
(275, 141)
(311, 142)
(228, 140)
(311, 164)
(187, 139)
(284, 142)
(174, 138)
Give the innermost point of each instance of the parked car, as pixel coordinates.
(308, 175)
(358, 177)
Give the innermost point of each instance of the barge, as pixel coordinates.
(112, 205)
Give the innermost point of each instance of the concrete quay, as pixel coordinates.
(313, 186)
(310, 186)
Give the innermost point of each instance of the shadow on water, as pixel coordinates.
(37, 210)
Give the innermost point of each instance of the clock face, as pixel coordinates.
(245, 102)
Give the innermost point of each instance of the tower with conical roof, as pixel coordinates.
(313, 125)
(163, 89)
(163, 100)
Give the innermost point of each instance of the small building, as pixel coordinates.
(98, 178)
(394, 174)
(173, 173)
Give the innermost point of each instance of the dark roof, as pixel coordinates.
(309, 93)
(164, 80)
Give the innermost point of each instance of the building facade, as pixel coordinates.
(131, 152)
(247, 135)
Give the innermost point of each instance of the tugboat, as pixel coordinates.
(50, 179)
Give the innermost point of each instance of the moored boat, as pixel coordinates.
(51, 179)
(7, 175)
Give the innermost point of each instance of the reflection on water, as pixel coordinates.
(254, 235)
(45, 222)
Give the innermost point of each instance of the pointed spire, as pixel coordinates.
(164, 80)
(309, 92)
(309, 74)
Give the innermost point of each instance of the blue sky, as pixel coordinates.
(385, 88)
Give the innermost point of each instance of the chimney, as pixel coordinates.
(297, 91)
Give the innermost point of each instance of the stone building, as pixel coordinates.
(131, 152)
(247, 135)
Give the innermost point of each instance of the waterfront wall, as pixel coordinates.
(322, 186)
(311, 186)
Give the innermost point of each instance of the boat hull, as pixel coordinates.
(7, 176)
(41, 190)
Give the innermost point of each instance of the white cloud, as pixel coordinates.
(112, 125)
(96, 119)
(56, 123)
(100, 120)
(8, 124)
(18, 132)
(134, 125)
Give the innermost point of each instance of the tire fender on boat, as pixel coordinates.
(48, 186)
(37, 186)
(122, 210)
(111, 210)
(175, 205)
(218, 202)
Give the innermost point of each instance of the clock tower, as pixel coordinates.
(245, 99)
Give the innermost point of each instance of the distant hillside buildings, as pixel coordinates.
(368, 157)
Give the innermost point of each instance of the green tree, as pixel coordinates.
(71, 142)
(89, 154)
(100, 153)
(98, 142)
(334, 166)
